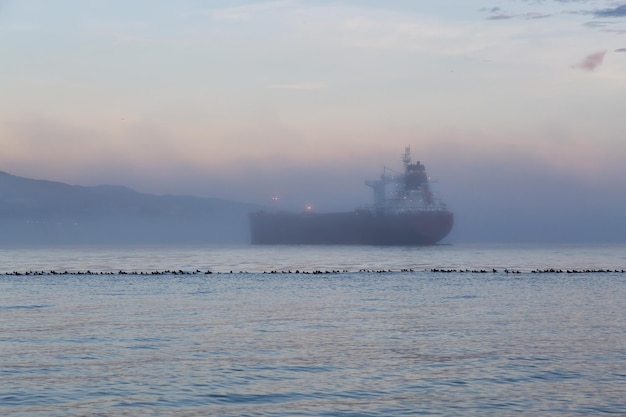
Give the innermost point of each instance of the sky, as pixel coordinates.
(516, 107)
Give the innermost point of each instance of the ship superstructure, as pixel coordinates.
(406, 192)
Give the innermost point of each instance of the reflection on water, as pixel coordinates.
(399, 343)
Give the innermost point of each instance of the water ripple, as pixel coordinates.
(348, 344)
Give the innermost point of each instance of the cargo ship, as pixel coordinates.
(405, 212)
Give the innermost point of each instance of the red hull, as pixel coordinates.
(360, 227)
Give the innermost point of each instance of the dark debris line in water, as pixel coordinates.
(317, 272)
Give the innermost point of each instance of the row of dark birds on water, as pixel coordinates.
(317, 272)
(534, 271)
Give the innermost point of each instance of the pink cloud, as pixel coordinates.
(591, 62)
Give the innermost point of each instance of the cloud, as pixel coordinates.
(619, 11)
(598, 24)
(620, 50)
(535, 15)
(499, 14)
(501, 17)
(591, 62)
(241, 13)
(496, 13)
(299, 86)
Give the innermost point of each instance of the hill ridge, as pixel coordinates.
(44, 211)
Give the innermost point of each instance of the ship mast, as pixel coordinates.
(406, 158)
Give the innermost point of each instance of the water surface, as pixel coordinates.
(332, 344)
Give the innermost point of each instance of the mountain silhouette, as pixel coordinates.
(36, 211)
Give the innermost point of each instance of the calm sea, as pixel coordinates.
(357, 331)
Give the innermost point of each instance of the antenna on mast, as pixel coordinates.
(406, 158)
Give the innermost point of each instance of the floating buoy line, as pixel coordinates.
(319, 272)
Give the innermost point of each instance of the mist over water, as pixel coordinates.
(506, 201)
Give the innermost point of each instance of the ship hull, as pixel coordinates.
(350, 228)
